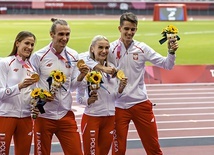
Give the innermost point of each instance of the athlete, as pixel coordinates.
(16, 85)
(58, 119)
(97, 123)
(134, 105)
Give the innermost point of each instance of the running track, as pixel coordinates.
(184, 115)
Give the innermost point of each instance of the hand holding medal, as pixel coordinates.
(123, 80)
(83, 68)
(35, 76)
(120, 74)
(80, 63)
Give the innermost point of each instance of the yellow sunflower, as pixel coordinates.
(170, 29)
(94, 77)
(168, 33)
(35, 92)
(46, 93)
(87, 77)
(58, 76)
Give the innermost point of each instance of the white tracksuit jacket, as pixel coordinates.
(132, 62)
(105, 105)
(14, 102)
(45, 61)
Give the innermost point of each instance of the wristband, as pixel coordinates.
(171, 52)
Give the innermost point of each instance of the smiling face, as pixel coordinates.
(60, 37)
(25, 47)
(127, 30)
(100, 50)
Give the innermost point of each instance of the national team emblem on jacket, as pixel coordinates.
(49, 65)
(135, 56)
(15, 69)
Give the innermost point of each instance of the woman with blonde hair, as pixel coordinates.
(97, 123)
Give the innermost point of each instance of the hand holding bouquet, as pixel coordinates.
(94, 78)
(56, 80)
(38, 100)
(170, 32)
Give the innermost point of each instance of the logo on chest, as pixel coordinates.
(135, 56)
(15, 69)
(49, 65)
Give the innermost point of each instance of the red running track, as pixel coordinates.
(184, 115)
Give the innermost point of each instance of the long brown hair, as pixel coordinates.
(21, 36)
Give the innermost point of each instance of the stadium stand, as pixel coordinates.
(108, 7)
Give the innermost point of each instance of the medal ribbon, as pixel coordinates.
(118, 51)
(67, 62)
(24, 64)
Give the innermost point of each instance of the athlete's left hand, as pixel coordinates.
(84, 69)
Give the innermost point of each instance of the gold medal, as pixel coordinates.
(120, 74)
(80, 62)
(35, 76)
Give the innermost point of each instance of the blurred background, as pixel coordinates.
(185, 109)
(107, 7)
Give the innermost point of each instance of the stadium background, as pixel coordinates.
(106, 7)
(185, 78)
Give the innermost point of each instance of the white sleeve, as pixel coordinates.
(88, 61)
(5, 91)
(158, 60)
(82, 95)
(35, 62)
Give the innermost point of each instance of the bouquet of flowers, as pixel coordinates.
(169, 32)
(94, 78)
(56, 80)
(38, 100)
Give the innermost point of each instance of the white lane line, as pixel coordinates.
(188, 108)
(179, 94)
(182, 98)
(188, 114)
(183, 137)
(186, 129)
(181, 89)
(171, 115)
(136, 139)
(186, 121)
(211, 136)
(185, 103)
(180, 129)
(178, 85)
(182, 121)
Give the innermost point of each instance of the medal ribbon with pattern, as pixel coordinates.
(118, 50)
(66, 61)
(24, 64)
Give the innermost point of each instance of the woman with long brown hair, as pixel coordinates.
(15, 87)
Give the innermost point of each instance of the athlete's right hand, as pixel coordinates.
(109, 70)
(27, 82)
(93, 97)
(34, 112)
(50, 98)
